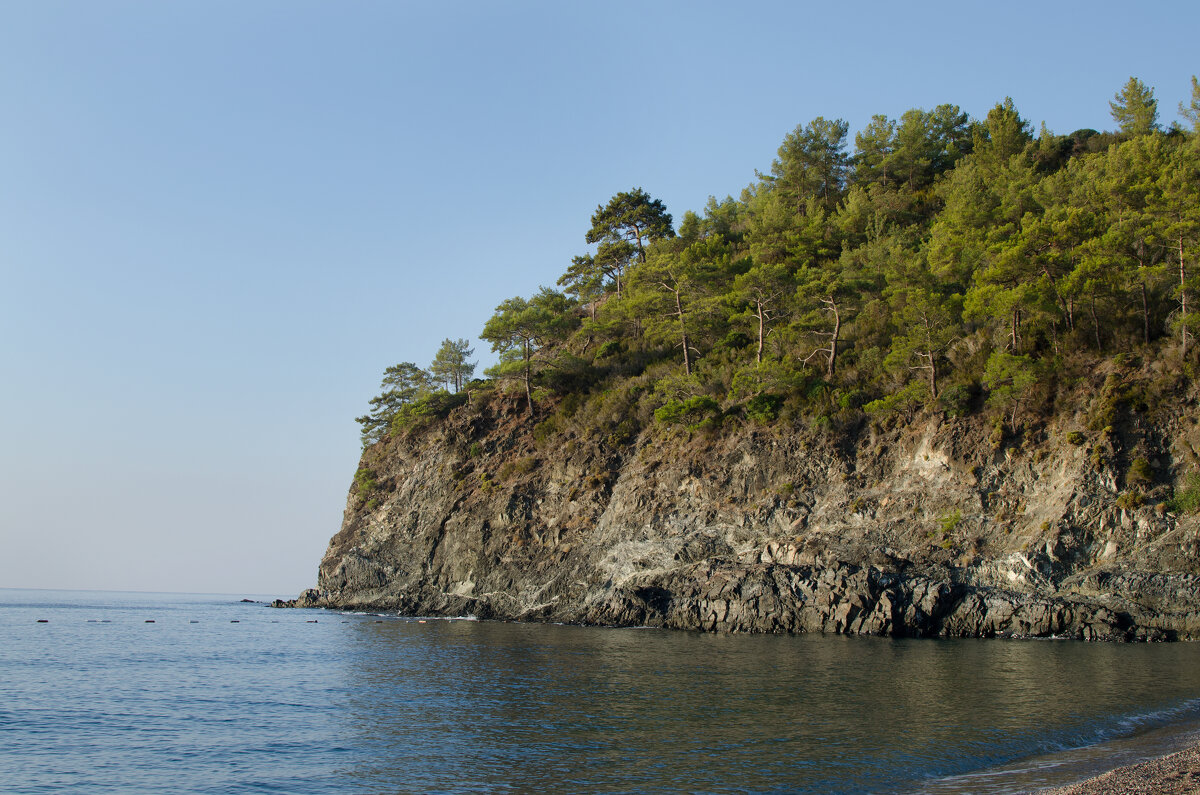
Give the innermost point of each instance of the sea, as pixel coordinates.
(104, 692)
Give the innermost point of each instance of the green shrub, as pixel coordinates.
(365, 486)
(1009, 380)
(545, 429)
(1101, 455)
(734, 340)
(1076, 438)
(622, 434)
(570, 404)
(1107, 407)
(689, 412)
(1130, 500)
(610, 348)
(1187, 495)
(948, 523)
(854, 399)
(1140, 473)
(421, 411)
(612, 412)
(764, 408)
(518, 466)
(769, 376)
(957, 400)
(710, 423)
(996, 438)
(907, 401)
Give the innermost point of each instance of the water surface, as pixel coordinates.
(221, 696)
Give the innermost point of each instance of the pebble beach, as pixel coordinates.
(1168, 775)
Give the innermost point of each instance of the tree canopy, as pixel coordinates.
(1134, 108)
(402, 385)
(520, 328)
(631, 216)
(450, 366)
(945, 263)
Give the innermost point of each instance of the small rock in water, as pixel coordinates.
(43, 621)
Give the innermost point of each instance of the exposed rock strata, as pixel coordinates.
(938, 529)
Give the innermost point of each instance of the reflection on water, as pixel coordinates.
(145, 693)
(477, 706)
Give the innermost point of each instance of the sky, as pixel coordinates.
(221, 220)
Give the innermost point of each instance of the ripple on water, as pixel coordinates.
(275, 703)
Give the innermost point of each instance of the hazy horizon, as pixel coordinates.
(221, 221)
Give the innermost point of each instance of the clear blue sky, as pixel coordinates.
(220, 220)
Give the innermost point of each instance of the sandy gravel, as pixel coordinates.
(1177, 773)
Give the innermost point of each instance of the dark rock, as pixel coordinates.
(922, 534)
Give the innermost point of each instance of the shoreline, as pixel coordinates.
(1178, 772)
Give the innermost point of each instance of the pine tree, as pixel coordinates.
(1191, 111)
(813, 163)
(520, 328)
(631, 216)
(402, 384)
(450, 365)
(1134, 108)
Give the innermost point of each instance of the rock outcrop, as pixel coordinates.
(941, 527)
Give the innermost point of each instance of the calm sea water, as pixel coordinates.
(217, 696)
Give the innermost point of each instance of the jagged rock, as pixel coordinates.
(928, 533)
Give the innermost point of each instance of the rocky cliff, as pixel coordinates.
(932, 527)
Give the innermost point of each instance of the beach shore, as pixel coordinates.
(1175, 773)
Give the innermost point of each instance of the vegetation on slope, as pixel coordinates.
(944, 265)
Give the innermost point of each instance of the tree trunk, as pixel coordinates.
(834, 339)
(528, 394)
(1145, 316)
(758, 354)
(637, 235)
(687, 364)
(1062, 302)
(1096, 324)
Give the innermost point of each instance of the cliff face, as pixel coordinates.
(942, 527)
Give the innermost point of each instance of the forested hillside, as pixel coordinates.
(940, 264)
(942, 383)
